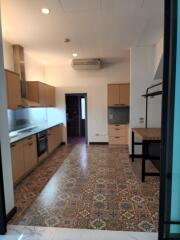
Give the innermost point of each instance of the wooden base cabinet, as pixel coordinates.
(60, 133)
(24, 157)
(118, 134)
(30, 153)
(54, 137)
(18, 166)
(24, 152)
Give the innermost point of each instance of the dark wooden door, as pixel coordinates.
(72, 114)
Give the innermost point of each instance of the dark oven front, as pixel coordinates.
(42, 143)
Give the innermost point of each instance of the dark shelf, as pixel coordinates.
(153, 94)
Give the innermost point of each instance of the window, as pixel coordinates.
(83, 108)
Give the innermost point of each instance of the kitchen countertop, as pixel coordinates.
(36, 129)
(148, 133)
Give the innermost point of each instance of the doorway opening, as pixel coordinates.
(76, 118)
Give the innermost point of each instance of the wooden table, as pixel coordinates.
(147, 137)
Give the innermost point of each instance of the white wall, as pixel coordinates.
(158, 52)
(142, 76)
(94, 83)
(4, 136)
(34, 69)
(158, 68)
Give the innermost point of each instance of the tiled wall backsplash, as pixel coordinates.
(25, 117)
(118, 115)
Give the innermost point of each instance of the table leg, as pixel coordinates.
(143, 161)
(132, 145)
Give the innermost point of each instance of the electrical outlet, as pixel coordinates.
(141, 120)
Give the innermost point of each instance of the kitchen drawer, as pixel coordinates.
(118, 130)
(30, 139)
(117, 140)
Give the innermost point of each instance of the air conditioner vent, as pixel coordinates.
(86, 64)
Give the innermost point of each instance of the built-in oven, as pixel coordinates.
(42, 142)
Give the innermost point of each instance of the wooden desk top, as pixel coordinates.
(148, 133)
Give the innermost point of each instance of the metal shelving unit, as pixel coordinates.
(152, 94)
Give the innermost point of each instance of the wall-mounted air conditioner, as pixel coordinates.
(86, 64)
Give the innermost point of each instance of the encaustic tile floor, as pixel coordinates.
(89, 187)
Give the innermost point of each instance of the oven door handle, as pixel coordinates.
(42, 138)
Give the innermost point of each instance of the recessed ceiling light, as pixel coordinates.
(45, 11)
(75, 54)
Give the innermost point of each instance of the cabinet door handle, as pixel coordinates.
(117, 129)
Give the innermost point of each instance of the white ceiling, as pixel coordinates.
(97, 28)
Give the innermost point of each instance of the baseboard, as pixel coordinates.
(11, 214)
(98, 143)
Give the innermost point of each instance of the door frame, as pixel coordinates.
(3, 220)
(86, 106)
(169, 77)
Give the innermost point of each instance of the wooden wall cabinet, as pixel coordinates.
(13, 89)
(51, 95)
(41, 93)
(113, 95)
(124, 90)
(118, 95)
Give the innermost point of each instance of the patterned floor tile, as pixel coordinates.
(96, 187)
(98, 224)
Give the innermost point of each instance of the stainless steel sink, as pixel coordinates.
(30, 129)
(18, 132)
